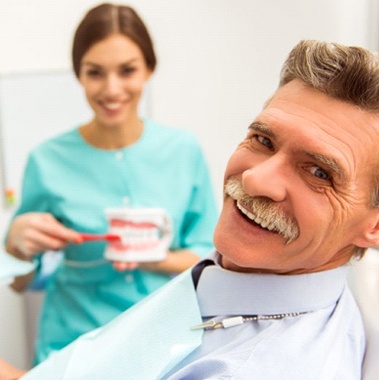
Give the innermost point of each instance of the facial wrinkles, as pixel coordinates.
(350, 148)
(353, 132)
(337, 128)
(263, 209)
(348, 189)
(336, 140)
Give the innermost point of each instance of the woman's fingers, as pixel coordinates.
(122, 266)
(32, 233)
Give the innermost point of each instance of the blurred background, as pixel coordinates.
(218, 61)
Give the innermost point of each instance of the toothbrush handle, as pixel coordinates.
(94, 237)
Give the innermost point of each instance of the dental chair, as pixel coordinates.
(364, 283)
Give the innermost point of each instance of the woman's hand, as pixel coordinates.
(122, 266)
(32, 233)
(8, 372)
(35, 232)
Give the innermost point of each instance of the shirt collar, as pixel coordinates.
(263, 294)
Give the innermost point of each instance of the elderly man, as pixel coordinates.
(301, 201)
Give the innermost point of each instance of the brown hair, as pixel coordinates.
(107, 19)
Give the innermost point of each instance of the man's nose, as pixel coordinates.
(268, 178)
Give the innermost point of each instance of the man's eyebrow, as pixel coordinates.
(259, 127)
(327, 162)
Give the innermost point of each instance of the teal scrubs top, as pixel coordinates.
(75, 182)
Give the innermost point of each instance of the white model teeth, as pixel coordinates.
(255, 218)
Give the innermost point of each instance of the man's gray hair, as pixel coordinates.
(347, 73)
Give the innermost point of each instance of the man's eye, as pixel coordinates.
(265, 141)
(320, 173)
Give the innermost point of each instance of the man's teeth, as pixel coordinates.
(256, 219)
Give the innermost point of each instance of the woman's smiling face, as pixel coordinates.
(306, 160)
(113, 73)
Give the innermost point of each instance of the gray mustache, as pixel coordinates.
(264, 209)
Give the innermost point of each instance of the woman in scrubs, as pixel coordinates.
(71, 179)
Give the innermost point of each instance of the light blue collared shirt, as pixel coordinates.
(326, 342)
(154, 340)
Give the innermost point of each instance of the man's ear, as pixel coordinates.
(369, 236)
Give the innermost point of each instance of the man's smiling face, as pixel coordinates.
(305, 161)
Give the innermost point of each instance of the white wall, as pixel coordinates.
(218, 61)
